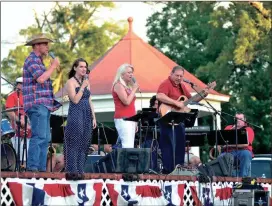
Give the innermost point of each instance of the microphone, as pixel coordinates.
(18, 91)
(189, 82)
(86, 76)
(52, 55)
(134, 81)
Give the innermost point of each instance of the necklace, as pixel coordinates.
(79, 81)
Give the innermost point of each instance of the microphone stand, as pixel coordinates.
(236, 141)
(51, 150)
(103, 128)
(98, 139)
(215, 116)
(25, 142)
(102, 125)
(8, 81)
(98, 135)
(18, 123)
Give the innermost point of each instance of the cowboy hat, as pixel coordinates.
(39, 38)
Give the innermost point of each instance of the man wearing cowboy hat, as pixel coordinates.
(15, 101)
(38, 100)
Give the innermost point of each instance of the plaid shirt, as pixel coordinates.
(33, 91)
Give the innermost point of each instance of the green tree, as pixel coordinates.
(180, 31)
(75, 33)
(230, 45)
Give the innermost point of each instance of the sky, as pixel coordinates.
(11, 25)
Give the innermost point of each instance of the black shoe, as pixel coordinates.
(81, 176)
(71, 176)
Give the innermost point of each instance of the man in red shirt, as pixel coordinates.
(168, 93)
(12, 102)
(244, 154)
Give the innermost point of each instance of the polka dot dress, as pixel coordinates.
(78, 133)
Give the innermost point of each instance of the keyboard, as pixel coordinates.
(197, 129)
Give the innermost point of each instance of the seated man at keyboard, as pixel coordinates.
(244, 154)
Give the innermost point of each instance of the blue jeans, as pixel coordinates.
(39, 117)
(244, 162)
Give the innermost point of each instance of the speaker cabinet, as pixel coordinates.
(133, 160)
(91, 162)
(127, 160)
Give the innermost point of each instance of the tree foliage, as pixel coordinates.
(75, 32)
(230, 45)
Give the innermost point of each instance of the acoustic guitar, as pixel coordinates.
(165, 108)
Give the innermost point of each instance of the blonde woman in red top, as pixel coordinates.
(123, 92)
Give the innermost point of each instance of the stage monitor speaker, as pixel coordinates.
(223, 165)
(91, 163)
(107, 163)
(125, 160)
(133, 160)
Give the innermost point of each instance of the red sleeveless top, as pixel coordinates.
(122, 110)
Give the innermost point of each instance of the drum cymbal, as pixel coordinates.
(13, 109)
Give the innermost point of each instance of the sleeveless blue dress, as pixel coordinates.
(78, 133)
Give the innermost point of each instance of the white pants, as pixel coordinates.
(14, 141)
(126, 131)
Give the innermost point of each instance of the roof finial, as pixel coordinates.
(130, 20)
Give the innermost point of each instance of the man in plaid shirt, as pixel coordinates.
(38, 100)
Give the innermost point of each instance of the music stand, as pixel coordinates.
(176, 118)
(228, 137)
(142, 116)
(149, 109)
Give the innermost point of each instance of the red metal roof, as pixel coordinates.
(151, 66)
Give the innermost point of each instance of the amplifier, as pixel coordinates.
(244, 197)
(91, 161)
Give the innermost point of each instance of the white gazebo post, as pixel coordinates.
(195, 150)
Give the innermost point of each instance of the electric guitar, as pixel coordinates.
(165, 108)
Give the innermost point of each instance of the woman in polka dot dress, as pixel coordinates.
(81, 118)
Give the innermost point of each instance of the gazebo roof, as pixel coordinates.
(151, 66)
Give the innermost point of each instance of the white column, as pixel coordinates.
(195, 150)
(218, 122)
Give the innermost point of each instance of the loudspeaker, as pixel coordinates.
(91, 162)
(107, 163)
(133, 160)
(223, 165)
(125, 160)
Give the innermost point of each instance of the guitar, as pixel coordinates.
(165, 108)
